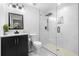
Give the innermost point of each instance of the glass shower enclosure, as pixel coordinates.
(59, 29)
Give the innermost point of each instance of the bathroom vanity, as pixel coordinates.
(14, 45)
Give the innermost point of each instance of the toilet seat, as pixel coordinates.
(37, 44)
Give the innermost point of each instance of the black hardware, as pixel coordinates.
(58, 29)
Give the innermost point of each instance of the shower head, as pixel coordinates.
(49, 14)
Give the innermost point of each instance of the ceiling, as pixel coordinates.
(45, 7)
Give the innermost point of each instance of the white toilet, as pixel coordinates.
(37, 44)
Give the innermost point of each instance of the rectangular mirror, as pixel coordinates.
(15, 21)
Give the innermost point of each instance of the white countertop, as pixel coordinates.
(8, 35)
(33, 34)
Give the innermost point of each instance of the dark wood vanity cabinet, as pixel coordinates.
(14, 45)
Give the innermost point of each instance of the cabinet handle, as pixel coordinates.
(15, 41)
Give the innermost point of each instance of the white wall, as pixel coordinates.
(48, 37)
(2, 18)
(31, 20)
(69, 29)
(53, 27)
(31, 17)
(43, 33)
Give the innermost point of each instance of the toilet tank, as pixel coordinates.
(34, 37)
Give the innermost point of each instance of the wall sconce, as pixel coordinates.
(16, 5)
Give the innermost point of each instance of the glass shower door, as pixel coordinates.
(43, 30)
(52, 33)
(48, 31)
(59, 31)
(67, 29)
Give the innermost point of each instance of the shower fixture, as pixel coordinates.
(49, 14)
(34, 4)
(47, 26)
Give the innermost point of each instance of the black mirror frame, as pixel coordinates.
(10, 20)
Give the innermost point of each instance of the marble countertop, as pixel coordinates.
(9, 35)
(33, 34)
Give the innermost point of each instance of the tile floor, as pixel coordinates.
(42, 52)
